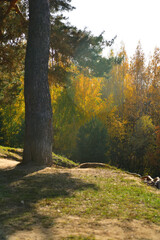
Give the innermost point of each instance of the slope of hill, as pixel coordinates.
(75, 203)
(14, 156)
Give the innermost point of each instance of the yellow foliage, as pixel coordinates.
(87, 94)
(55, 92)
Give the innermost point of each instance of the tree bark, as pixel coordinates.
(38, 111)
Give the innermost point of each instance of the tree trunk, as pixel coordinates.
(38, 111)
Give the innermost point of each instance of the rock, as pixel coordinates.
(92, 165)
(134, 174)
(156, 179)
(158, 184)
(147, 179)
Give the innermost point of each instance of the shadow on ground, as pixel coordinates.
(21, 189)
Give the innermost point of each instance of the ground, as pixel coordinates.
(76, 214)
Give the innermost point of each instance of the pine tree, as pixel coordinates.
(38, 112)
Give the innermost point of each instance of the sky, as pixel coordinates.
(130, 20)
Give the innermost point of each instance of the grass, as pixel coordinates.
(62, 161)
(110, 199)
(11, 153)
(42, 196)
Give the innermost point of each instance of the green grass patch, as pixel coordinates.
(11, 153)
(111, 199)
(62, 161)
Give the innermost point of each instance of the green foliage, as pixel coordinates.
(88, 54)
(143, 144)
(143, 137)
(92, 142)
(72, 46)
(12, 116)
(66, 121)
(60, 5)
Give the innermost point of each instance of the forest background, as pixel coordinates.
(105, 110)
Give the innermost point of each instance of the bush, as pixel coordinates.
(91, 142)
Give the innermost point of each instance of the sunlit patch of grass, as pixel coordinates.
(113, 198)
(11, 153)
(62, 161)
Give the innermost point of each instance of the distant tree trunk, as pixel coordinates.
(38, 112)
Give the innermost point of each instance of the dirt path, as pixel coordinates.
(7, 163)
(107, 229)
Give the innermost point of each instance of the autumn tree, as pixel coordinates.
(153, 74)
(114, 82)
(138, 77)
(142, 144)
